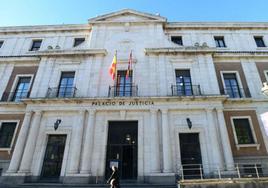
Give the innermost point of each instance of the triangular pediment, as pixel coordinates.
(127, 15)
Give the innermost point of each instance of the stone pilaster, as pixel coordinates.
(88, 143)
(155, 150)
(76, 143)
(167, 158)
(214, 144)
(226, 147)
(20, 144)
(30, 145)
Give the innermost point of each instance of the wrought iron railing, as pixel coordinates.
(185, 90)
(61, 92)
(235, 92)
(238, 170)
(15, 96)
(123, 91)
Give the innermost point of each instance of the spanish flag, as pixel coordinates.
(112, 69)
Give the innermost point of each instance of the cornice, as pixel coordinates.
(244, 100)
(45, 28)
(79, 100)
(216, 25)
(88, 52)
(233, 54)
(176, 50)
(22, 58)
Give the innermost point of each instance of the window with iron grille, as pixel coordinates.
(78, 41)
(7, 131)
(243, 131)
(231, 85)
(177, 40)
(123, 83)
(66, 88)
(259, 41)
(22, 89)
(36, 45)
(183, 83)
(219, 41)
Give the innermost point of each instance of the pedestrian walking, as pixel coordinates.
(114, 178)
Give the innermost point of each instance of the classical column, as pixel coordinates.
(30, 144)
(76, 143)
(155, 157)
(20, 144)
(167, 159)
(227, 151)
(214, 144)
(88, 143)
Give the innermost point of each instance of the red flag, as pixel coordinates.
(129, 68)
(112, 69)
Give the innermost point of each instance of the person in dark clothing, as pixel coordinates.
(114, 178)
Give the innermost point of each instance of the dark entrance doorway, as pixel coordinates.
(191, 159)
(122, 148)
(53, 157)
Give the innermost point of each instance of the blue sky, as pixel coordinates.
(43, 12)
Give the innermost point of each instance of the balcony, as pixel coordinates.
(235, 92)
(14, 96)
(186, 90)
(61, 92)
(123, 91)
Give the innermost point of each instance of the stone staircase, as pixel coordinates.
(56, 185)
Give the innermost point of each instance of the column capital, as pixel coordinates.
(91, 112)
(209, 110)
(219, 110)
(153, 111)
(38, 112)
(81, 112)
(164, 111)
(28, 112)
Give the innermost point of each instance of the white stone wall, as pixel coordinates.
(153, 73)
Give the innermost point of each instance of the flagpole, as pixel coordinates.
(115, 75)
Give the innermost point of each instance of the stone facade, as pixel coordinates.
(160, 114)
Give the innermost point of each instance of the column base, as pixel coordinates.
(78, 178)
(86, 172)
(13, 178)
(24, 172)
(160, 178)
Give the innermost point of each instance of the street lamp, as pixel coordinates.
(189, 123)
(57, 124)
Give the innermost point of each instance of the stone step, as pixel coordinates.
(52, 185)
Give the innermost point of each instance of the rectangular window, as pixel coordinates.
(7, 131)
(1, 43)
(259, 41)
(36, 45)
(66, 88)
(78, 41)
(22, 89)
(231, 85)
(177, 40)
(124, 85)
(243, 131)
(219, 41)
(183, 83)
